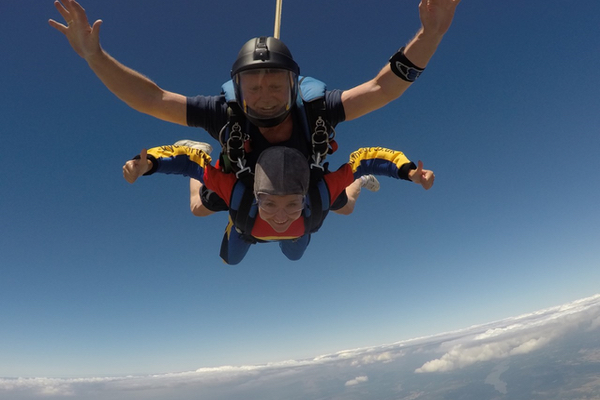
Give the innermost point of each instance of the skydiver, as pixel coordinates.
(283, 204)
(272, 122)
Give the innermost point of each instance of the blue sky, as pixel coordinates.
(99, 277)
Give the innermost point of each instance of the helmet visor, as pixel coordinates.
(265, 93)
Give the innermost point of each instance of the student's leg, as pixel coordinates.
(233, 246)
(294, 249)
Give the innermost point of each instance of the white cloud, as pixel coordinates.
(47, 386)
(385, 357)
(527, 333)
(357, 380)
(530, 345)
(461, 356)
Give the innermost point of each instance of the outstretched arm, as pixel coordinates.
(171, 159)
(385, 162)
(436, 17)
(139, 92)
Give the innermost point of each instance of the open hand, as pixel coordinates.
(436, 15)
(84, 39)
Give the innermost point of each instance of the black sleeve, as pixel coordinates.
(405, 169)
(335, 108)
(207, 112)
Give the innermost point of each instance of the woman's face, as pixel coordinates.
(280, 211)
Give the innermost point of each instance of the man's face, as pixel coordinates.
(265, 94)
(280, 211)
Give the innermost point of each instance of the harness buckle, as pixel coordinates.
(235, 144)
(317, 161)
(241, 163)
(242, 171)
(320, 139)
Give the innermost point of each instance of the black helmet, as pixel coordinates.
(264, 52)
(261, 61)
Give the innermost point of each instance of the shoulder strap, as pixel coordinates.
(310, 89)
(228, 90)
(243, 208)
(322, 134)
(242, 214)
(233, 139)
(318, 206)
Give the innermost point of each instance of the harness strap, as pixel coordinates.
(311, 103)
(244, 207)
(233, 142)
(231, 137)
(318, 207)
(321, 132)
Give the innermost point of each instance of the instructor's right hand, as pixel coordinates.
(84, 39)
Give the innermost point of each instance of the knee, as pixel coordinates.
(293, 257)
(346, 210)
(230, 261)
(294, 249)
(199, 210)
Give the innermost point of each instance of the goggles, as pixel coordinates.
(269, 206)
(266, 93)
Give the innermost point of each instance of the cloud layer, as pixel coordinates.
(345, 370)
(514, 336)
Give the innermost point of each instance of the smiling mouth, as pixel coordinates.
(280, 226)
(269, 110)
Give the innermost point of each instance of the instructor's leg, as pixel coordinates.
(196, 206)
(352, 192)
